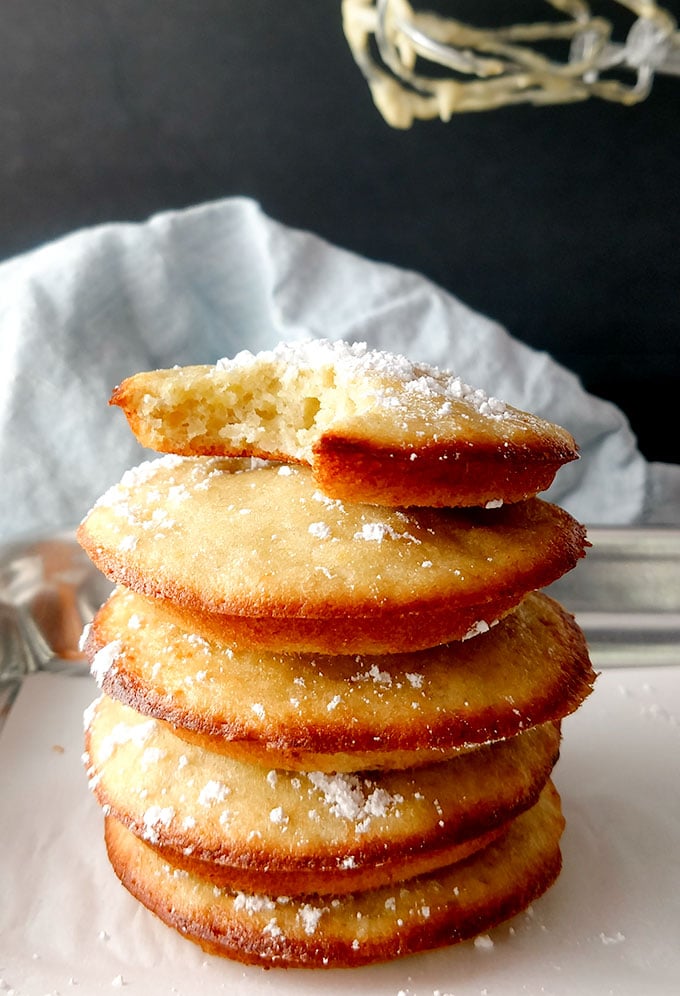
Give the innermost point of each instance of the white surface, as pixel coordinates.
(611, 924)
(79, 314)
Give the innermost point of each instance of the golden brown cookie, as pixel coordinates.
(264, 557)
(248, 827)
(454, 904)
(373, 426)
(341, 713)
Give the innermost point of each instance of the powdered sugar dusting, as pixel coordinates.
(253, 903)
(135, 477)
(352, 362)
(278, 816)
(309, 916)
(320, 530)
(155, 817)
(82, 642)
(124, 733)
(347, 798)
(213, 792)
(375, 675)
(105, 659)
(376, 532)
(117, 496)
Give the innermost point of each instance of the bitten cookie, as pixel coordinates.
(373, 426)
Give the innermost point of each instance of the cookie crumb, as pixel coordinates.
(484, 942)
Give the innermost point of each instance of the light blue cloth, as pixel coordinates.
(81, 313)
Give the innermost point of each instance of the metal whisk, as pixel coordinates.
(486, 68)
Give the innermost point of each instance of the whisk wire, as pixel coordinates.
(494, 67)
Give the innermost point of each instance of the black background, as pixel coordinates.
(559, 222)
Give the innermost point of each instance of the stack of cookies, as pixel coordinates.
(331, 689)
